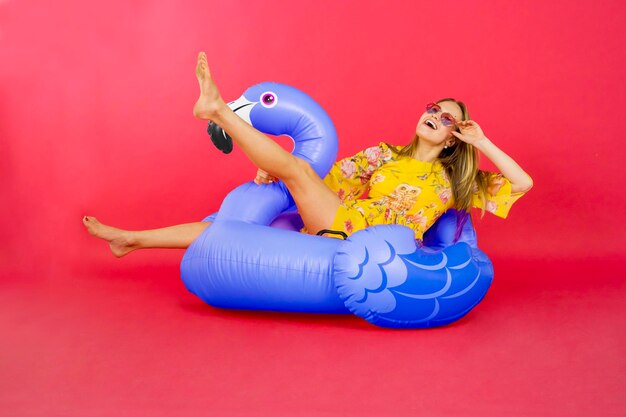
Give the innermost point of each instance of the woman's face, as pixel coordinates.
(442, 133)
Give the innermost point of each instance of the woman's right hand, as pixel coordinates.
(263, 177)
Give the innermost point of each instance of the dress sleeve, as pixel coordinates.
(349, 177)
(499, 196)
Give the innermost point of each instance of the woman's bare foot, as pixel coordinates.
(121, 241)
(210, 101)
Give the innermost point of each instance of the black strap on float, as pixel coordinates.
(332, 232)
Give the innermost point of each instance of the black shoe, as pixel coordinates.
(220, 138)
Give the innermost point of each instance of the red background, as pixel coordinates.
(95, 118)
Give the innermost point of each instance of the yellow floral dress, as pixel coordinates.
(402, 190)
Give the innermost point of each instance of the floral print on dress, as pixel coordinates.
(352, 174)
(373, 155)
(348, 169)
(445, 194)
(377, 178)
(418, 219)
(403, 191)
(495, 183)
(401, 199)
(387, 213)
(499, 195)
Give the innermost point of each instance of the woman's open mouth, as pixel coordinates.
(431, 124)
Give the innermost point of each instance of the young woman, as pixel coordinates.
(411, 185)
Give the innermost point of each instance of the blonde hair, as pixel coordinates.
(461, 162)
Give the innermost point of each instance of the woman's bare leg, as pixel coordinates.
(317, 204)
(124, 241)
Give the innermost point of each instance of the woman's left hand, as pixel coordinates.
(470, 132)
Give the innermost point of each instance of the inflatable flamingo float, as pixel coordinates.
(254, 257)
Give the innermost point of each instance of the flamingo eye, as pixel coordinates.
(268, 99)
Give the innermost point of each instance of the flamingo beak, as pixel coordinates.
(242, 108)
(219, 137)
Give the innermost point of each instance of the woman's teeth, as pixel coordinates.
(430, 124)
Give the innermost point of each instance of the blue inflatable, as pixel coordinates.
(254, 257)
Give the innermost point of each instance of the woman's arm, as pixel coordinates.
(473, 134)
(520, 180)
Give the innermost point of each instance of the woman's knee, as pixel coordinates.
(300, 170)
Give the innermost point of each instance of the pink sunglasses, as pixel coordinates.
(446, 118)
